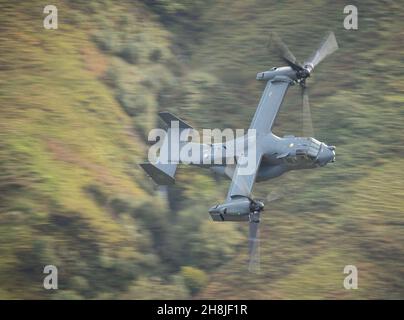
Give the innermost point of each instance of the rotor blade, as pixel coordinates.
(253, 248)
(307, 120)
(283, 51)
(327, 47)
(274, 195)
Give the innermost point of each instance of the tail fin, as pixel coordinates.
(163, 173)
(160, 173)
(167, 117)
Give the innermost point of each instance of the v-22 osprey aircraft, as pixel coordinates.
(274, 155)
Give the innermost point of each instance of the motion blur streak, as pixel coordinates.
(77, 104)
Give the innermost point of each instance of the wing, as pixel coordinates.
(269, 104)
(244, 178)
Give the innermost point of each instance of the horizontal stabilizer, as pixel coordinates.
(167, 117)
(159, 175)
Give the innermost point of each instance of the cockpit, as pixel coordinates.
(313, 147)
(306, 150)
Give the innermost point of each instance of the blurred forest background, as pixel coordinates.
(76, 105)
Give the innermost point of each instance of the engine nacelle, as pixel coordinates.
(266, 75)
(276, 72)
(237, 209)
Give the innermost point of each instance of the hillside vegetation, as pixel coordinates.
(76, 106)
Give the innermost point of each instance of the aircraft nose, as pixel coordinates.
(326, 154)
(217, 209)
(214, 209)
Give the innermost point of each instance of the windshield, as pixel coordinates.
(315, 141)
(314, 147)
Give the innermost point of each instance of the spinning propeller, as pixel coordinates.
(253, 234)
(303, 71)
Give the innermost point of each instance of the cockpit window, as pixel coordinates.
(314, 147)
(315, 141)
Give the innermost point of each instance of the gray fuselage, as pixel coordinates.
(281, 154)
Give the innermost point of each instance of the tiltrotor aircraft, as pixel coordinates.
(273, 155)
